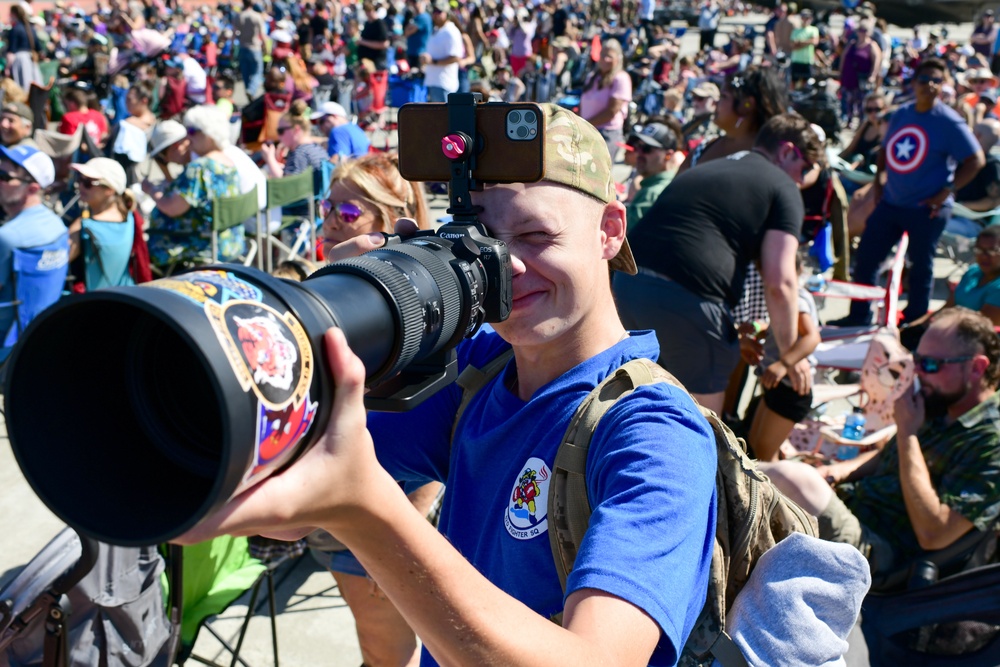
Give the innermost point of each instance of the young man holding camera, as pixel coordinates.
(482, 592)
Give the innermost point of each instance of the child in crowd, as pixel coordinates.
(781, 406)
(222, 90)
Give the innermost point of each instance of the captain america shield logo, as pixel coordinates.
(907, 149)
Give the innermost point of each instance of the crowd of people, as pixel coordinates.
(753, 159)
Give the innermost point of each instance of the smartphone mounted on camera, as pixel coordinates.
(510, 142)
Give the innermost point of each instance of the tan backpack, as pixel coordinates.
(752, 515)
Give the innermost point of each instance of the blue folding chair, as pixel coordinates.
(39, 276)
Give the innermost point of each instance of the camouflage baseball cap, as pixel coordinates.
(577, 156)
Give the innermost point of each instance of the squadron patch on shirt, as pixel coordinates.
(527, 506)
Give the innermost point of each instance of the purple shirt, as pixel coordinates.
(922, 151)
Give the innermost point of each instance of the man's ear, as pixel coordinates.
(613, 228)
(980, 363)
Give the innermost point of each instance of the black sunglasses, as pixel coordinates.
(874, 109)
(927, 78)
(931, 365)
(645, 149)
(7, 177)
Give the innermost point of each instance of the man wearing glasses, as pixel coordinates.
(693, 247)
(654, 145)
(25, 172)
(928, 153)
(939, 477)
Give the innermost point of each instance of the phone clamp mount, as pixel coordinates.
(488, 299)
(462, 146)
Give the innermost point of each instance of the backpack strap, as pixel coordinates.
(472, 379)
(568, 506)
(727, 652)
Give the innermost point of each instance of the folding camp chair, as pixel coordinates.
(845, 348)
(886, 373)
(230, 212)
(38, 102)
(299, 188)
(942, 608)
(205, 579)
(39, 276)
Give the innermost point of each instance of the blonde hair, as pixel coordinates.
(377, 179)
(604, 80)
(301, 79)
(125, 202)
(12, 92)
(294, 269)
(298, 115)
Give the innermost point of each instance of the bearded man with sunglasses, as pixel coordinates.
(927, 155)
(939, 477)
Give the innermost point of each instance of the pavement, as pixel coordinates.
(315, 627)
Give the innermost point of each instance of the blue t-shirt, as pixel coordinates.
(417, 42)
(32, 227)
(969, 294)
(922, 151)
(347, 141)
(650, 480)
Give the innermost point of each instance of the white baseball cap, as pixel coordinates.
(105, 171)
(38, 165)
(330, 109)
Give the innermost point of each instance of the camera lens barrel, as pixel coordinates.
(134, 412)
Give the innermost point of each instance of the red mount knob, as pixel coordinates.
(453, 146)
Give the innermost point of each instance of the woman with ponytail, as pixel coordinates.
(104, 234)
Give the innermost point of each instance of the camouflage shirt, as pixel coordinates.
(964, 463)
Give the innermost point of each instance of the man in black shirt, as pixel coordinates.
(374, 42)
(693, 248)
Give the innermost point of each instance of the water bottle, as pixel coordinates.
(854, 429)
(816, 283)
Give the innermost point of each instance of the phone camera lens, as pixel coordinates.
(522, 132)
(529, 117)
(514, 117)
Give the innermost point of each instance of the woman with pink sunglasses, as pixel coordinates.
(368, 195)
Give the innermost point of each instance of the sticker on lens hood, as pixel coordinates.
(209, 286)
(268, 351)
(277, 433)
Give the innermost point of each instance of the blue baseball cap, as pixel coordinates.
(38, 165)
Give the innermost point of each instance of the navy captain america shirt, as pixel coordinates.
(922, 151)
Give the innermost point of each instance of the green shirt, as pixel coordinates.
(649, 191)
(806, 54)
(964, 463)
